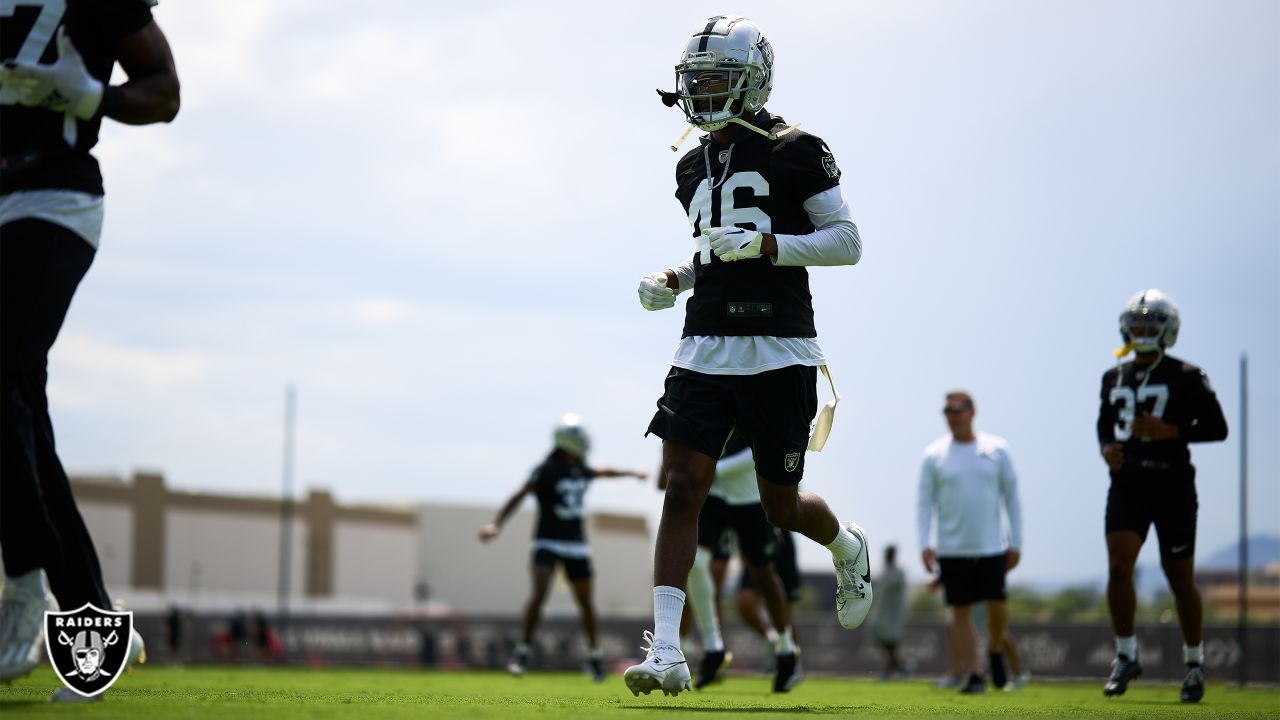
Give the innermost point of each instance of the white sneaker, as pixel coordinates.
(853, 582)
(1019, 682)
(664, 667)
(137, 651)
(22, 607)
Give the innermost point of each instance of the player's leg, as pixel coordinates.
(775, 408)
(694, 419)
(1122, 554)
(967, 634)
(541, 571)
(702, 591)
(41, 265)
(580, 575)
(1176, 531)
(1021, 676)
(959, 580)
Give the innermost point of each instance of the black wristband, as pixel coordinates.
(112, 101)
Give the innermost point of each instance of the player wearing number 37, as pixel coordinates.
(1151, 409)
(763, 201)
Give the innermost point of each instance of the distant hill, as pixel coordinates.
(1263, 550)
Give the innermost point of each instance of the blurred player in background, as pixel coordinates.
(733, 509)
(889, 615)
(967, 480)
(764, 202)
(1151, 408)
(559, 538)
(54, 94)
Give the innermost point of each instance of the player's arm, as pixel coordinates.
(152, 92)
(835, 241)
(1207, 423)
(926, 500)
(658, 290)
(491, 530)
(617, 473)
(1112, 451)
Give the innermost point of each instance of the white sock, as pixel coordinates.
(702, 600)
(1193, 654)
(1127, 646)
(28, 583)
(771, 635)
(668, 605)
(845, 546)
(784, 645)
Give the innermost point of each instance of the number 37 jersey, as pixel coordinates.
(559, 488)
(1174, 391)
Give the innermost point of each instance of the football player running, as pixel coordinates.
(559, 485)
(54, 93)
(1152, 407)
(764, 201)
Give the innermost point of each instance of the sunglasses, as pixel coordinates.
(954, 409)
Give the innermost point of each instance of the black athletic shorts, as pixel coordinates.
(773, 409)
(1166, 498)
(968, 580)
(785, 563)
(755, 535)
(575, 568)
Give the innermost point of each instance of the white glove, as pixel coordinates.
(65, 86)
(654, 293)
(734, 243)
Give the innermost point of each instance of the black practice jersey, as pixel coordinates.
(559, 487)
(1174, 391)
(758, 184)
(41, 149)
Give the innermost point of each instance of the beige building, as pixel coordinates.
(218, 552)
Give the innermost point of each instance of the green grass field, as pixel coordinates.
(278, 693)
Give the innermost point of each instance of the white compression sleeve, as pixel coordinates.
(702, 600)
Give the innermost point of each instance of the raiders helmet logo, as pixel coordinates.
(88, 647)
(791, 461)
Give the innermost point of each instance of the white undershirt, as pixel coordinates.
(834, 242)
(967, 485)
(77, 211)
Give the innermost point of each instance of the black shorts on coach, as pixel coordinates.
(968, 580)
(772, 409)
(574, 568)
(1167, 499)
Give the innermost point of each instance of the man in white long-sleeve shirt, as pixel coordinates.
(966, 480)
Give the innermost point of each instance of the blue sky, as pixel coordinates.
(432, 221)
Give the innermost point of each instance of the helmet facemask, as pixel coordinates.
(1149, 323)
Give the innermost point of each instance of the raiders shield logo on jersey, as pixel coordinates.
(791, 461)
(88, 647)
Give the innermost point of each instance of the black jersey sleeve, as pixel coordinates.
(114, 19)
(1106, 411)
(804, 165)
(1205, 421)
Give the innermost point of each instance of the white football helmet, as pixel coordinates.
(571, 437)
(725, 73)
(1150, 321)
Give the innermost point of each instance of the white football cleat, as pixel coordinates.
(664, 668)
(22, 607)
(853, 582)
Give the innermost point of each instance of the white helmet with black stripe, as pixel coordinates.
(725, 73)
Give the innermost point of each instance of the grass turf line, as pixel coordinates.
(286, 693)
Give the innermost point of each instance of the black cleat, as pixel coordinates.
(712, 664)
(974, 686)
(998, 677)
(1123, 670)
(788, 673)
(1193, 684)
(597, 669)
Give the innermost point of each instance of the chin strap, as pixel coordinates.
(738, 121)
(1124, 350)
